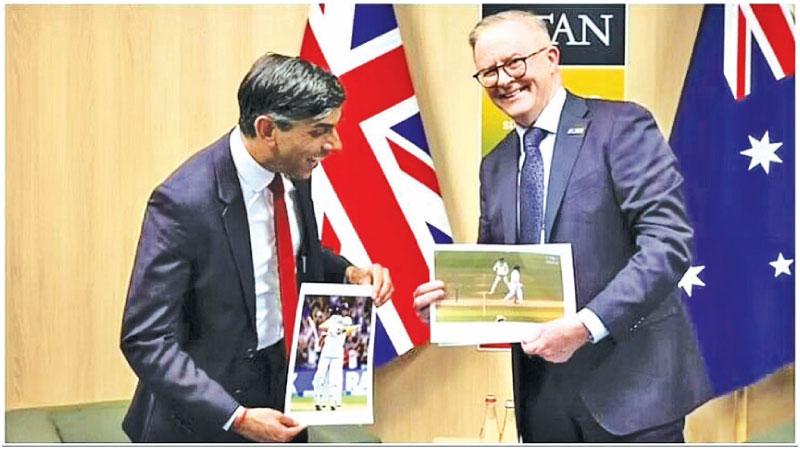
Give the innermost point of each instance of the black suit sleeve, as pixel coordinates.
(334, 266)
(152, 323)
(647, 187)
(483, 225)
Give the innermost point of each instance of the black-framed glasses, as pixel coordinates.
(514, 68)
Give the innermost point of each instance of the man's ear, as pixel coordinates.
(554, 55)
(265, 128)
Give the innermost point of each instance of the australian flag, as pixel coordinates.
(734, 138)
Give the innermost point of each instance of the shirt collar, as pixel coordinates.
(550, 115)
(252, 174)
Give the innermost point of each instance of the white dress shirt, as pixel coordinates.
(258, 202)
(548, 121)
(254, 180)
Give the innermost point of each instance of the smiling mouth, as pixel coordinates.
(510, 95)
(315, 160)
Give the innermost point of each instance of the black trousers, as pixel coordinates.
(556, 413)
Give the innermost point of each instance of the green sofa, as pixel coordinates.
(102, 422)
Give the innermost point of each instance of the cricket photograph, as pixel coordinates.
(494, 290)
(330, 371)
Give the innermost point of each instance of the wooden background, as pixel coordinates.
(103, 102)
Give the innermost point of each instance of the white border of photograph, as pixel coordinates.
(343, 417)
(471, 333)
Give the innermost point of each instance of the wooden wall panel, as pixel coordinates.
(449, 102)
(660, 42)
(103, 102)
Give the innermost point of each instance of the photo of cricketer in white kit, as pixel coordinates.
(330, 368)
(327, 380)
(500, 269)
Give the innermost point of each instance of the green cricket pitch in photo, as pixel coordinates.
(469, 275)
(349, 402)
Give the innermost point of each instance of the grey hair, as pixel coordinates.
(514, 15)
(288, 90)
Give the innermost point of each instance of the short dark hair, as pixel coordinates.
(287, 89)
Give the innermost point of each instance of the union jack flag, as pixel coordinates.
(771, 26)
(379, 200)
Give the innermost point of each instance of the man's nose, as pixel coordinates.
(503, 79)
(333, 144)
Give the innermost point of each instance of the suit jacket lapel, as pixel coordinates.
(234, 218)
(308, 225)
(572, 128)
(507, 186)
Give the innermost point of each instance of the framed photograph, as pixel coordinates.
(331, 363)
(496, 292)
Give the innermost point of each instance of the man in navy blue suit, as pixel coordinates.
(203, 324)
(600, 176)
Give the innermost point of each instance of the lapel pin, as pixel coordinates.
(576, 131)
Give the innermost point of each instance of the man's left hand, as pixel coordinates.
(377, 276)
(556, 341)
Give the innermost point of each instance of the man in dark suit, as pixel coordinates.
(203, 326)
(599, 175)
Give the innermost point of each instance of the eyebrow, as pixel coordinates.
(500, 64)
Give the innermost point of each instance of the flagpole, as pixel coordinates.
(740, 414)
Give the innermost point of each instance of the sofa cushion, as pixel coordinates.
(90, 422)
(30, 426)
(102, 422)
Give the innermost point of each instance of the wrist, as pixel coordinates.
(589, 338)
(237, 423)
(583, 332)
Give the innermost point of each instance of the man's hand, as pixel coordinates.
(268, 425)
(377, 276)
(556, 341)
(425, 294)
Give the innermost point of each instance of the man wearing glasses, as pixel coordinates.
(599, 175)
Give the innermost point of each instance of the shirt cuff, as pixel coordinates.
(236, 413)
(344, 277)
(597, 330)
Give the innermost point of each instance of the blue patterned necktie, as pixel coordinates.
(531, 189)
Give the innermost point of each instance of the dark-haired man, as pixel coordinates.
(225, 242)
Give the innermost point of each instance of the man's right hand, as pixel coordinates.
(425, 294)
(268, 425)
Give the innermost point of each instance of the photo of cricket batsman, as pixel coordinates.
(333, 334)
(493, 291)
(330, 379)
(474, 292)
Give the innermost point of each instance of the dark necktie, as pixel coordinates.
(287, 278)
(531, 189)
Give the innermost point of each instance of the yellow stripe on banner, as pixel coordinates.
(607, 83)
(496, 124)
(601, 82)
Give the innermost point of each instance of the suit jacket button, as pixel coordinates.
(237, 391)
(250, 353)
